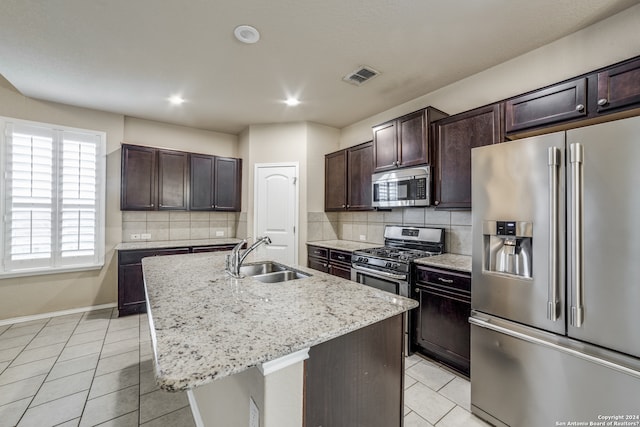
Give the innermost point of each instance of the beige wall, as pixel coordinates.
(32, 295)
(604, 43)
(46, 293)
(164, 135)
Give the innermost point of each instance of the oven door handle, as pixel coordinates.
(379, 273)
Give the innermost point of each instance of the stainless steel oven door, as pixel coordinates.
(391, 282)
(396, 283)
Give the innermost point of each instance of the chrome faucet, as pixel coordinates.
(235, 259)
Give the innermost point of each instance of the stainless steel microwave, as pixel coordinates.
(402, 187)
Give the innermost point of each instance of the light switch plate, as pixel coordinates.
(219, 233)
(135, 237)
(363, 237)
(145, 236)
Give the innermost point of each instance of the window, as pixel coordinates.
(52, 198)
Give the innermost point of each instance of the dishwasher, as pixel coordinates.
(441, 323)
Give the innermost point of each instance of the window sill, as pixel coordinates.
(48, 270)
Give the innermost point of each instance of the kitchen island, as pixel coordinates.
(231, 341)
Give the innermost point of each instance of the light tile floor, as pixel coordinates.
(95, 369)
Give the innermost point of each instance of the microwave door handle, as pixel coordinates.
(553, 303)
(577, 202)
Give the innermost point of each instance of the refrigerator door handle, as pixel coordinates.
(553, 303)
(577, 201)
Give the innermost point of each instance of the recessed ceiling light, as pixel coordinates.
(176, 99)
(292, 102)
(246, 34)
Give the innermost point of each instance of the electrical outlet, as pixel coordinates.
(254, 414)
(363, 237)
(135, 237)
(145, 236)
(219, 233)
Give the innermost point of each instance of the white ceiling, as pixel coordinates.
(129, 56)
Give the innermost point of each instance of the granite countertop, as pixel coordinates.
(344, 245)
(143, 244)
(450, 261)
(207, 325)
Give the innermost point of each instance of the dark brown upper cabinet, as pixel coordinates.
(173, 173)
(404, 141)
(201, 182)
(227, 184)
(155, 179)
(619, 87)
(455, 137)
(565, 101)
(215, 183)
(348, 178)
(602, 95)
(138, 185)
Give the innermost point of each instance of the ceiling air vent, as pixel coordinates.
(361, 75)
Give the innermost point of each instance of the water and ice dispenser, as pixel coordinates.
(508, 247)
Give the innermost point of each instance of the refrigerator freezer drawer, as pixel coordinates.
(523, 377)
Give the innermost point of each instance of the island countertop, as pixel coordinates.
(207, 325)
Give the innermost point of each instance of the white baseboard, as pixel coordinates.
(55, 314)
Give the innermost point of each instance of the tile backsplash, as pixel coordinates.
(369, 226)
(180, 225)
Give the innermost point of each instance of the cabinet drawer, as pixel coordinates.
(135, 256)
(318, 252)
(444, 278)
(340, 257)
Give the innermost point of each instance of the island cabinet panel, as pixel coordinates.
(173, 173)
(138, 191)
(357, 379)
(455, 137)
(348, 178)
(619, 87)
(404, 141)
(558, 103)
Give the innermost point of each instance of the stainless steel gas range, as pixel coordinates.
(389, 267)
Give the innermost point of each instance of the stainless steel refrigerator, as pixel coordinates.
(555, 324)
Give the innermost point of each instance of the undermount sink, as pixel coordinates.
(271, 272)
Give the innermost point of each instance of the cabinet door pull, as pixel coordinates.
(348, 206)
(603, 101)
(340, 257)
(579, 107)
(443, 280)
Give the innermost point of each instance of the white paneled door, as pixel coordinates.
(276, 210)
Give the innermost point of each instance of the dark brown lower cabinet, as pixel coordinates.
(131, 296)
(440, 325)
(332, 261)
(357, 379)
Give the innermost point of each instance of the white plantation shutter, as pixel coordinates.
(53, 202)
